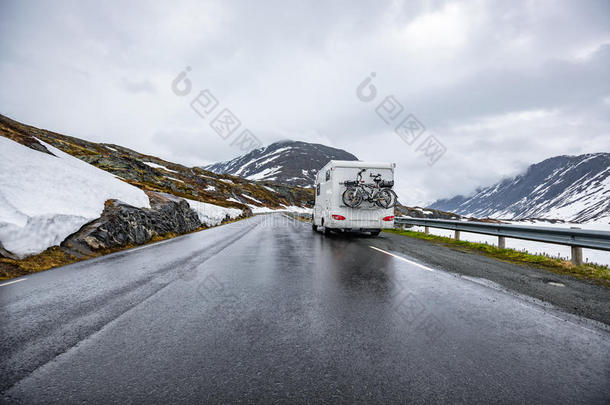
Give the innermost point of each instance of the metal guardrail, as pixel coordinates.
(576, 238)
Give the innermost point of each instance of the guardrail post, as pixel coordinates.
(501, 242)
(576, 252)
(427, 230)
(457, 235)
(577, 255)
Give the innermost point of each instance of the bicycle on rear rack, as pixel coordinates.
(380, 192)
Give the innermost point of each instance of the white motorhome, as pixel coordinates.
(332, 211)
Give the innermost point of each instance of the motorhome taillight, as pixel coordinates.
(389, 218)
(338, 217)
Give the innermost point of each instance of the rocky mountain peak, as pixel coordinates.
(287, 162)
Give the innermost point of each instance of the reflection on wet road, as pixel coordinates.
(264, 310)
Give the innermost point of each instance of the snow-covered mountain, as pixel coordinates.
(286, 162)
(572, 188)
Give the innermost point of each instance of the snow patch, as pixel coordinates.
(292, 208)
(297, 209)
(252, 198)
(45, 198)
(261, 210)
(265, 173)
(211, 214)
(156, 166)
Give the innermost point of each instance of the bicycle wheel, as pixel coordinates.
(386, 198)
(352, 197)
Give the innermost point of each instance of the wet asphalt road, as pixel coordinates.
(264, 310)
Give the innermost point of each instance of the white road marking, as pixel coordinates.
(403, 259)
(13, 282)
(149, 245)
(521, 299)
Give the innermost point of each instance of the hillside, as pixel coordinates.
(287, 162)
(151, 173)
(571, 188)
(64, 199)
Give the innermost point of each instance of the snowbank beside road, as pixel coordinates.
(210, 214)
(266, 210)
(45, 198)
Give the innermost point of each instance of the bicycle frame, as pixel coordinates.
(372, 195)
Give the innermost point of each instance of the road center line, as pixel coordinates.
(403, 259)
(13, 282)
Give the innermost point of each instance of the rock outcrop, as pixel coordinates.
(123, 225)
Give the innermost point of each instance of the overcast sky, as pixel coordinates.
(500, 84)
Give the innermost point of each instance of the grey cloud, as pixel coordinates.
(502, 84)
(143, 86)
(556, 84)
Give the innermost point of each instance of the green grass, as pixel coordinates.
(589, 271)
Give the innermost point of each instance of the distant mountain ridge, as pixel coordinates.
(286, 162)
(572, 188)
